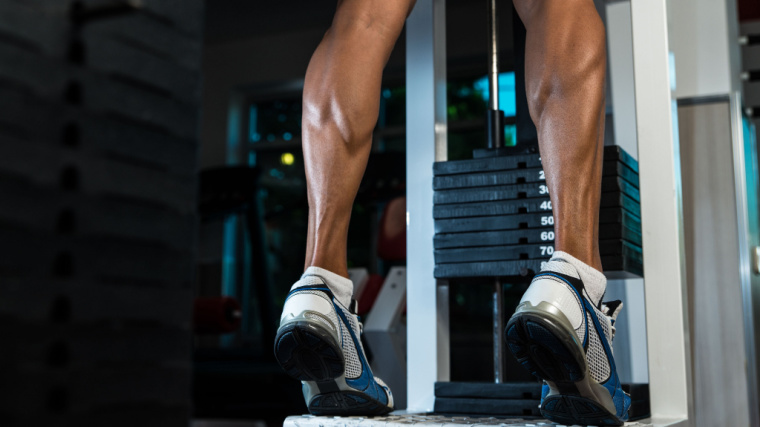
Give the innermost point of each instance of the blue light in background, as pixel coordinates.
(507, 97)
(253, 118)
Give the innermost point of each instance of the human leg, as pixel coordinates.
(340, 109)
(318, 341)
(561, 331)
(565, 65)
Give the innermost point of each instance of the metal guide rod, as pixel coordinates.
(498, 330)
(494, 116)
(495, 140)
(493, 56)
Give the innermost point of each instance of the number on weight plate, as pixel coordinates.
(547, 220)
(541, 175)
(547, 250)
(546, 205)
(542, 189)
(547, 235)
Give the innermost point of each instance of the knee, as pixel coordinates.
(382, 19)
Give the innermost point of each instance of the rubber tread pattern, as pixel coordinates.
(538, 346)
(541, 352)
(307, 353)
(346, 403)
(569, 410)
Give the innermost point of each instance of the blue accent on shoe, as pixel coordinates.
(612, 384)
(366, 382)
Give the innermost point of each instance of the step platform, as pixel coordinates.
(401, 419)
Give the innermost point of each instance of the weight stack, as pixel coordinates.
(515, 399)
(99, 113)
(493, 216)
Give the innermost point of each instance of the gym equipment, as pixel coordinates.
(98, 158)
(493, 223)
(479, 214)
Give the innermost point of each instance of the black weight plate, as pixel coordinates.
(522, 206)
(98, 388)
(58, 124)
(58, 167)
(620, 247)
(492, 193)
(123, 61)
(36, 255)
(618, 199)
(532, 220)
(133, 101)
(493, 238)
(617, 183)
(501, 207)
(144, 31)
(43, 31)
(616, 214)
(185, 16)
(620, 231)
(615, 152)
(96, 304)
(502, 222)
(520, 176)
(519, 268)
(55, 341)
(525, 268)
(486, 164)
(56, 212)
(508, 407)
(483, 179)
(475, 390)
(615, 168)
(622, 263)
(521, 191)
(544, 251)
(494, 253)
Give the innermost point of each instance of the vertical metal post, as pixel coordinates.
(493, 56)
(498, 331)
(661, 215)
(427, 303)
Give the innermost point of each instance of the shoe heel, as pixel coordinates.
(308, 352)
(546, 347)
(346, 403)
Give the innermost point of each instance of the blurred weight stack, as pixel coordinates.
(99, 114)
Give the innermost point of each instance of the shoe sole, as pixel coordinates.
(549, 349)
(308, 352)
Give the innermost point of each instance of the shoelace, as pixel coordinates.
(611, 310)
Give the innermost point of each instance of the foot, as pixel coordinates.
(563, 337)
(318, 342)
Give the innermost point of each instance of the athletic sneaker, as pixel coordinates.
(564, 338)
(318, 342)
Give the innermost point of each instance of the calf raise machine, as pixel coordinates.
(494, 225)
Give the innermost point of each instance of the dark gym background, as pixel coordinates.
(150, 156)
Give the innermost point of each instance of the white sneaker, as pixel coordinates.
(562, 337)
(318, 342)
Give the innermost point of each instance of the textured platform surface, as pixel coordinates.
(393, 420)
